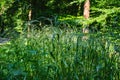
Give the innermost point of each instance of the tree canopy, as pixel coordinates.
(14, 13)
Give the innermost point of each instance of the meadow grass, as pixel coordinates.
(54, 54)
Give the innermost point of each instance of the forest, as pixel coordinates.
(59, 39)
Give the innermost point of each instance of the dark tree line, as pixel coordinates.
(14, 13)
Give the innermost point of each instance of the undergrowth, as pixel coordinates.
(53, 54)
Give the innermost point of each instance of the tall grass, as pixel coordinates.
(53, 54)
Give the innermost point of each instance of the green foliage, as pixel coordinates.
(54, 54)
(59, 52)
(15, 13)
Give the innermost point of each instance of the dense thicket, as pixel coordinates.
(14, 13)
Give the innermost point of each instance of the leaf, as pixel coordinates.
(18, 72)
(33, 52)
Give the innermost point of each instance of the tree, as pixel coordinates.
(86, 14)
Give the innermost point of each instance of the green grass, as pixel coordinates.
(53, 54)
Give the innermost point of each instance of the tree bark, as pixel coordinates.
(29, 19)
(86, 14)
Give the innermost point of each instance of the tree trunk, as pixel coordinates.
(79, 6)
(86, 9)
(86, 14)
(29, 19)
